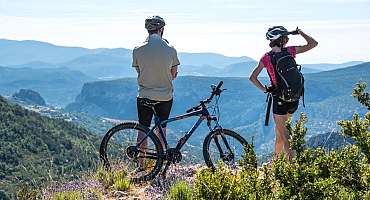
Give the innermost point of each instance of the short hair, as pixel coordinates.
(152, 31)
(278, 42)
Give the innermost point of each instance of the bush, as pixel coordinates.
(93, 194)
(3, 195)
(180, 191)
(68, 195)
(27, 193)
(111, 178)
(312, 174)
(105, 177)
(122, 184)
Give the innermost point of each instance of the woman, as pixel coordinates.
(278, 37)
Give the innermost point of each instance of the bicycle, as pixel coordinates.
(217, 145)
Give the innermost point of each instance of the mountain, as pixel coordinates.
(29, 96)
(14, 52)
(105, 63)
(243, 69)
(35, 65)
(328, 66)
(102, 65)
(59, 86)
(329, 141)
(327, 98)
(36, 149)
(212, 59)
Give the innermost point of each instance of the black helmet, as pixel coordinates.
(275, 32)
(154, 23)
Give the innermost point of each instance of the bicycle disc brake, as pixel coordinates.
(173, 155)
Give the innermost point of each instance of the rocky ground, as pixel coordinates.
(152, 190)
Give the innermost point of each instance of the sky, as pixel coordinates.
(229, 27)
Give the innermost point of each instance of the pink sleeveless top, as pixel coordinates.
(266, 60)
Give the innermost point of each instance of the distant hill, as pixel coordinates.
(110, 62)
(102, 65)
(29, 97)
(14, 52)
(105, 63)
(212, 59)
(35, 65)
(58, 86)
(329, 66)
(327, 99)
(36, 149)
(329, 141)
(242, 69)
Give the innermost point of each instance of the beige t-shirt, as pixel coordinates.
(154, 59)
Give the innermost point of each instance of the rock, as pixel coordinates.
(29, 96)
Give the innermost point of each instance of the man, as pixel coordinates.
(156, 63)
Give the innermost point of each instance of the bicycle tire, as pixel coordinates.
(220, 132)
(134, 127)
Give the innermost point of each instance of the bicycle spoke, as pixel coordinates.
(225, 147)
(123, 149)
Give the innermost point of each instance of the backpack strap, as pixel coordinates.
(303, 98)
(268, 110)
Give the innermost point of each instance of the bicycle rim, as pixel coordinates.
(119, 151)
(224, 147)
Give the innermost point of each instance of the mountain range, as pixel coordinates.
(113, 63)
(59, 86)
(327, 99)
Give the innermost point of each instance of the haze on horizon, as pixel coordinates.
(229, 27)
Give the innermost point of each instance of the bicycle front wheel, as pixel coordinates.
(119, 149)
(224, 146)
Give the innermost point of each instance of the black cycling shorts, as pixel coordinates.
(145, 113)
(281, 107)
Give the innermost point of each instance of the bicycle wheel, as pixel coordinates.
(119, 150)
(224, 146)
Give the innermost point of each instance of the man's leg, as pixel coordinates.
(145, 115)
(163, 110)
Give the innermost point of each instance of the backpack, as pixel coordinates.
(290, 81)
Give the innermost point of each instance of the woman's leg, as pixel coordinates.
(282, 136)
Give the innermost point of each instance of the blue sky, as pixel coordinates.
(233, 27)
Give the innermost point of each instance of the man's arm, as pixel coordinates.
(311, 43)
(135, 63)
(137, 69)
(174, 72)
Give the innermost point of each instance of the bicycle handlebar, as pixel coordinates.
(215, 91)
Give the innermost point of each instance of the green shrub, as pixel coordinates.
(180, 191)
(105, 177)
(312, 174)
(27, 193)
(93, 194)
(218, 185)
(68, 195)
(3, 195)
(122, 184)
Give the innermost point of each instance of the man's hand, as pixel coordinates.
(174, 72)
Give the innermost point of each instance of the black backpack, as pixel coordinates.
(290, 81)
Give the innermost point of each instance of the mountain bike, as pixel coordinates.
(144, 158)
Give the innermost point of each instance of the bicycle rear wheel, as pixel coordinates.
(119, 149)
(225, 146)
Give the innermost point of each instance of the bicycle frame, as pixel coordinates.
(203, 114)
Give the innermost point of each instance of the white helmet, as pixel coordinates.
(276, 32)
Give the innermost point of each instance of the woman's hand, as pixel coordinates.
(311, 43)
